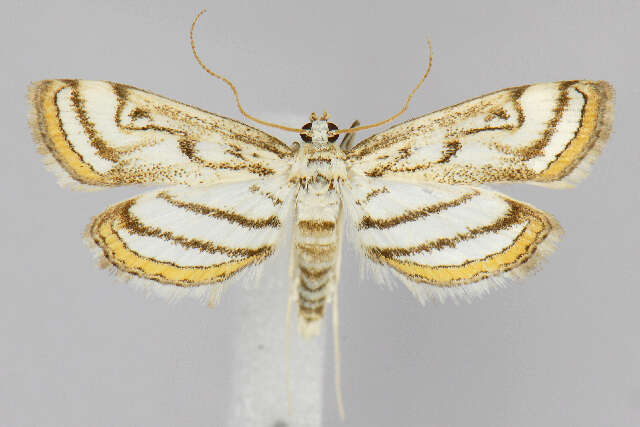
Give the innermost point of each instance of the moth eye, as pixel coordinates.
(306, 138)
(333, 127)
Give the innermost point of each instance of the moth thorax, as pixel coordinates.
(319, 132)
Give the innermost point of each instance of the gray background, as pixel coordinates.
(560, 349)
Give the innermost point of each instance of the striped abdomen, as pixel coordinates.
(317, 246)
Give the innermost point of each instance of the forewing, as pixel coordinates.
(444, 240)
(187, 237)
(546, 133)
(105, 134)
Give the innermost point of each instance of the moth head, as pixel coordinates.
(319, 129)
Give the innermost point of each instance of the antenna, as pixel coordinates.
(233, 88)
(406, 104)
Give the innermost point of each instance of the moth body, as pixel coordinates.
(318, 172)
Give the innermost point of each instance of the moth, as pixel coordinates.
(411, 198)
(408, 195)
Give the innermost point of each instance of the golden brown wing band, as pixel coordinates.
(595, 127)
(103, 232)
(50, 135)
(523, 249)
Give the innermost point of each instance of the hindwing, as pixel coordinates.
(444, 240)
(190, 237)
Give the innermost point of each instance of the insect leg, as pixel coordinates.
(348, 138)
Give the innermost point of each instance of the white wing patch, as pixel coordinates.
(194, 237)
(443, 240)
